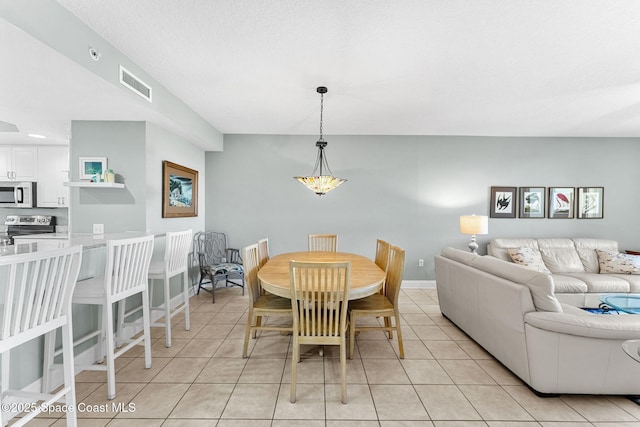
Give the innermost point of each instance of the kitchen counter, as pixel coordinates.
(87, 240)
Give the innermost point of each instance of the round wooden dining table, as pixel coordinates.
(366, 276)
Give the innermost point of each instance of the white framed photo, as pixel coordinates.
(92, 166)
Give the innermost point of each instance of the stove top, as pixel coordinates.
(20, 225)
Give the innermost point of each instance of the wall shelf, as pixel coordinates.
(87, 184)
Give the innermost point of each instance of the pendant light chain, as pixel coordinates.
(321, 110)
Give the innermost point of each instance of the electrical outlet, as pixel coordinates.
(420, 263)
(98, 228)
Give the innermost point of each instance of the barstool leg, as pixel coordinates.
(146, 326)
(69, 373)
(185, 295)
(4, 385)
(49, 350)
(111, 360)
(167, 312)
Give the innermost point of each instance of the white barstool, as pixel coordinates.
(38, 288)
(126, 272)
(176, 255)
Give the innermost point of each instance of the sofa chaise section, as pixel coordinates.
(512, 312)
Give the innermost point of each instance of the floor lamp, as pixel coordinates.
(473, 225)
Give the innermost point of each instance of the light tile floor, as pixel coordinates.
(445, 380)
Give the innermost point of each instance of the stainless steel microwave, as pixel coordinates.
(17, 194)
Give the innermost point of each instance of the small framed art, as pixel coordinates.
(179, 191)
(561, 202)
(503, 202)
(590, 202)
(92, 166)
(532, 202)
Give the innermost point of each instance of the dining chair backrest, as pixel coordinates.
(37, 290)
(176, 252)
(382, 254)
(263, 251)
(127, 266)
(323, 242)
(250, 264)
(319, 294)
(394, 273)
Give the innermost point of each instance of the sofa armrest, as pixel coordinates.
(584, 324)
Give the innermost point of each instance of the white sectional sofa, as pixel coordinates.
(513, 313)
(574, 266)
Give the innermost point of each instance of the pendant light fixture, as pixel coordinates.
(319, 181)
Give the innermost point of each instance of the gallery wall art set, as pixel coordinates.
(554, 202)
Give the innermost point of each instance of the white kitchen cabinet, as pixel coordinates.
(53, 167)
(18, 163)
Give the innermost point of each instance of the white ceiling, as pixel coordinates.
(410, 67)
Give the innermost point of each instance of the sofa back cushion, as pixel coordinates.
(587, 252)
(540, 285)
(464, 257)
(499, 247)
(560, 256)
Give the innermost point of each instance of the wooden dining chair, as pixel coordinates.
(381, 305)
(36, 290)
(263, 251)
(319, 294)
(323, 242)
(260, 303)
(382, 258)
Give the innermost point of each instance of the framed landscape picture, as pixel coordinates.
(590, 202)
(179, 191)
(503, 202)
(561, 202)
(532, 202)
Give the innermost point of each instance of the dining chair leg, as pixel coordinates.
(343, 368)
(352, 334)
(246, 334)
(399, 333)
(387, 324)
(111, 374)
(294, 370)
(167, 311)
(258, 324)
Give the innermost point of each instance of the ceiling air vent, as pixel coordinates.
(135, 84)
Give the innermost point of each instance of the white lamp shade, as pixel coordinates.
(474, 224)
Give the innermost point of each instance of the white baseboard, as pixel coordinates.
(418, 284)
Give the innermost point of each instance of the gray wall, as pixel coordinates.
(412, 190)
(124, 146)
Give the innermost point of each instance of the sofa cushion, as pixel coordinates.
(586, 249)
(633, 279)
(616, 262)
(464, 257)
(568, 285)
(498, 247)
(602, 283)
(540, 285)
(528, 257)
(560, 256)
